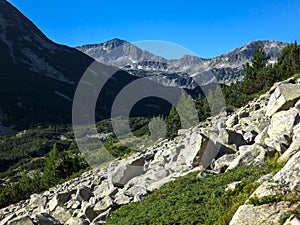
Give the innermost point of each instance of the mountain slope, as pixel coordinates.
(38, 78)
(222, 175)
(33, 70)
(177, 72)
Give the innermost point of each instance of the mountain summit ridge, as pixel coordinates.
(226, 67)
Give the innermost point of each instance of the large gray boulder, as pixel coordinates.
(222, 163)
(83, 193)
(294, 147)
(62, 214)
(284, 97)
(250, 154)
(104, 189)
(284, 183)
(45, 219)
(37, 200)
(77, 221)
(25, 220)
(103, 204)
(59, 200)
(263, 214)
(280, 130)
(125, 171)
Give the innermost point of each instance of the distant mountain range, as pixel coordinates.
(178, 72)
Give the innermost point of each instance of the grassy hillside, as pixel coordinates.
(192, 200)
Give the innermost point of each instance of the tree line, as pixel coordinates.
(260, 76)
(59, 166)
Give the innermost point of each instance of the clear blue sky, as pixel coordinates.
(208, 28)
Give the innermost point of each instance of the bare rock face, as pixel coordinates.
(293, 220)
(21, 221)
(127, 170)
(285, 183)
(264, 214)
(294, 147)
(284, 97)
(280, 131)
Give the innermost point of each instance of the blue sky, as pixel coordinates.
(207, 28)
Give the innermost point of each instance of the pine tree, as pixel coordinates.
(256, 73)
(202, 108)
(158, 128)
(186, 108)
(173, 123)
(53, 161)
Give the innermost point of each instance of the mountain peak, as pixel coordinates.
(109, 45)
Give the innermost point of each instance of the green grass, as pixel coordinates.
(190, 200)
(296, 75)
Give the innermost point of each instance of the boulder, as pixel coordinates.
(156, 185)
(294, 147)
(256, 123)
(121, 198)
(37, 200)
(25, 220)
(77, 221)
(249, 154)
(62, 214)
(192, 148)
(282, 123)
(284, 182)
(125, 171)
(281, 129)
(262, 214)
(284, 97)
(232, 120)
(7, 218)
(45, 219)
(222, 163)
(59, 199)
(104, 189)
(73, 204)
(297, 105)
(136, 192)
(88, 212)
(161, 174)
(103, 204)
(101, 217)
(83, 194)
(260, 138)
(231, 137)
(292, 220)
(249, 137)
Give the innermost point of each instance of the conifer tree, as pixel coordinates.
(173, 123)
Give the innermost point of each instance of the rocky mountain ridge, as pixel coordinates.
(178, 72)
(35, 71)
(265, 127)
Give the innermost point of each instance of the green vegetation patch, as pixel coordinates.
(192, 200)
